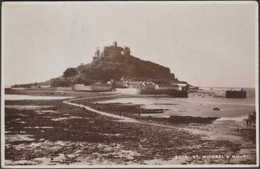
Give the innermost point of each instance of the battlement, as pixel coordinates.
(112, 50)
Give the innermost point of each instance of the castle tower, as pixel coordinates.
(127, 51)
(115, 44)
(98, 52)
(104, 53)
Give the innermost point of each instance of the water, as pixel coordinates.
(28, 97)
(236, 109)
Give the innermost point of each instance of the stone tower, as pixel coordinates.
(115, 44)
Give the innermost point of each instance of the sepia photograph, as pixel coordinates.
(129, 84)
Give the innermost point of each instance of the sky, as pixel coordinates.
(210, 44)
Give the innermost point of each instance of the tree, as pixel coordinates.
(60, 83)
(70, 72)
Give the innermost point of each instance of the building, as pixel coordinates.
(100, 87)
(236, 93)
(97, 54)
(97, 87)
(180, 86)
(112, 50)
(81, 87)
(127, 51)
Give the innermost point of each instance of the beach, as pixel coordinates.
(91, 128)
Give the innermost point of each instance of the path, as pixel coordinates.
(214, 135)
(120, 118)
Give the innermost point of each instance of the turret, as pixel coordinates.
(115, 44)
(104, 53)
(127, 51)
(97, 54)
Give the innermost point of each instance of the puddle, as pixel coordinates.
(60, 119)
(23, 115)
(39, 127)
(28, 97)
(19, 137)
(67, 118)
(12, 132)
(236, 119)
(77, 117)
(27, 107)
(46, 111)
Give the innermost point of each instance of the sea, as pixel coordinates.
(195, 105)
(230, 109)
(231, 113)
(30, 97)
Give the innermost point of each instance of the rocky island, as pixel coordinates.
(113, 62)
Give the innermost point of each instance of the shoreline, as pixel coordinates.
(189, 123)
(138, 146)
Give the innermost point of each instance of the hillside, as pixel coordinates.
(114, 63)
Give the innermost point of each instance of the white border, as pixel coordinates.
(137, 166)
(2, 91)
(257, 81)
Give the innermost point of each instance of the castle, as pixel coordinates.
(111, 51)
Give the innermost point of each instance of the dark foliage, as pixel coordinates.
(70, 72)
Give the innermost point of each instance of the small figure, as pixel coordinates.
(246, 122)
(251, 118)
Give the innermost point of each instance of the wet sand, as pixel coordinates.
(54, 133)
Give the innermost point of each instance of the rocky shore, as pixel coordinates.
(49, 132)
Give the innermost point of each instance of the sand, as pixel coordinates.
(82, 132)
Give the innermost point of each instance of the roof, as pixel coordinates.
(180, 84)
(100, 85)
